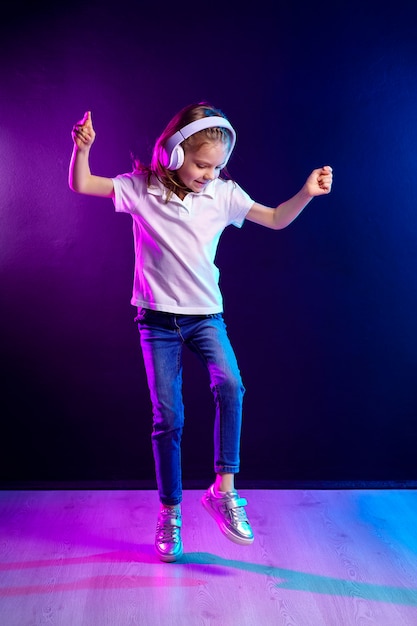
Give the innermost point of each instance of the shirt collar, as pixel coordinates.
(158, 189)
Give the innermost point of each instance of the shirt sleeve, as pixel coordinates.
(240, 204)
(127, 192)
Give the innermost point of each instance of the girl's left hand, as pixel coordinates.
(320, 181)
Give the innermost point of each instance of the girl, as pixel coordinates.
(180, 204)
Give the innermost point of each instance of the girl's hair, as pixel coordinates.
(190, 113)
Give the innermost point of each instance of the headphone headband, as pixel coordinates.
(173, 154)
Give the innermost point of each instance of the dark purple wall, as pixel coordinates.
(322, 314)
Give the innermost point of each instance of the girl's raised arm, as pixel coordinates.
(317, 184)
(80, 178)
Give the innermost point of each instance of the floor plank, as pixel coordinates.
(320, 557)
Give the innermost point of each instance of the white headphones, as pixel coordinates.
(172, 154)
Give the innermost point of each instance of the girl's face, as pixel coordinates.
(202, 165)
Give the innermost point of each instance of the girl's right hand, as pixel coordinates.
(83, 133)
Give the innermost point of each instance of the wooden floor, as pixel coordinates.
(320, 557)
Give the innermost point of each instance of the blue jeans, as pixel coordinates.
(162, 337)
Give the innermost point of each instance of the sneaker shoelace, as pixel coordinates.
(169, 528)
(237, 512)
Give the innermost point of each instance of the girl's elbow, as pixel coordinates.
(72, 183)
(75, 186)
(277, 225)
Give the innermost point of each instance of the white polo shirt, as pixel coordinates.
(176, 241)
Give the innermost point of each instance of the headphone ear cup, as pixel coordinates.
(177, 158)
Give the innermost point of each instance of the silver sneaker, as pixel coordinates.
(230, 515)
(168, 542)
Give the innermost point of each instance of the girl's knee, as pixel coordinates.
(230, 385)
